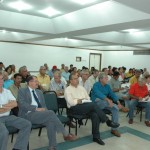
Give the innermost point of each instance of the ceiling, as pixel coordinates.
(101, 25)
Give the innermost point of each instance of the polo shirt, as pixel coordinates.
(139, 91)
(133, 80)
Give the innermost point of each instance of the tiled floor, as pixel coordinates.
(135, 136)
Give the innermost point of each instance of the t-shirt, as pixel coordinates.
(5, 97)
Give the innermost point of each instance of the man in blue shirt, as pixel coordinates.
(106, 99)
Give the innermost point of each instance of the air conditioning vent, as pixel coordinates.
(141, 52)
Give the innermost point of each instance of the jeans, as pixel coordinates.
(114, 110)
(134, 103)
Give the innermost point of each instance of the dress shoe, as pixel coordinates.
(115, 133)
(147, 123)
(70, 137)
(112, 124)
(130, 121)
(99, 141)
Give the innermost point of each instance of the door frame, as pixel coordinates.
(100, 59)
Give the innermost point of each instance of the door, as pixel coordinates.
(95, 61)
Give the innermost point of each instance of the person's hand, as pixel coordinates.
(3, 110)
(10, 105)
(120, 106)
(110, 103)
(140, 98)
(79, 101)
(40, 109)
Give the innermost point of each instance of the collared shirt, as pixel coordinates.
(32, 97)
(66, 75)
(114, 84)
(8, 83)
(44, 81)
(139, 91)
(92, 80)
(85, 84)
(14, 89)
(102, 91)
(5, 97)
(133, 80)
(72, 94)
(57, 86)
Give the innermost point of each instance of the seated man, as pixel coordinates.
(121, 93)
(74, 95)
(83, 80)
(137, 92)
(134, 79)
(32, 107)
(7, 102)
(105, 98)
(44, 79)
(17, 85)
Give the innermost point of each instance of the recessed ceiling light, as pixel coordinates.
(50, 12)
(20, 5)
(131, 30)
(84, 2)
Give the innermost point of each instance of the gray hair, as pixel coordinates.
(22, 68)
(142, 79)
(84, 71)
(57, 73)
(102, 75)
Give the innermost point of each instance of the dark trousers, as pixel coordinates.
(96, 114)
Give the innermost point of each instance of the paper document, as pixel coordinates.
(145, 99)
(86, 101)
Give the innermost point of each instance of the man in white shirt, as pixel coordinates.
(74, 95)
(8, 102)
(83, 80)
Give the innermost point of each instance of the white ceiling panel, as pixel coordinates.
(99, 25)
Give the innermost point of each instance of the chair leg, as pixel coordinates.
(28, 146)
(86, 122)
(40, 130)
(76, 127)
(141, 115)
(12, 137)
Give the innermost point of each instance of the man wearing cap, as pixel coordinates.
(134, 79)
(51, 72)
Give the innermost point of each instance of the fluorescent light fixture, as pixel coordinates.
(20, 5)
(131, 30)
(84, 2)
(3, 31)
(50, 12)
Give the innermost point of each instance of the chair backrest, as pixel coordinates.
(51, 100)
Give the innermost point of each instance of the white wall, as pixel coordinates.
(33, 56)
(125, 58)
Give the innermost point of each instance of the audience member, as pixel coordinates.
(44, 79)
(2, 67)
(93, 78)
(75, 94)
(121, 93)
(8, 102)
(51, 72)
(7, 82)
(66, 74)
(137, 92)
(135, 78)
(105, 98)
(14, 88)
(24, 73)
(83, 80)
(32, 107)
